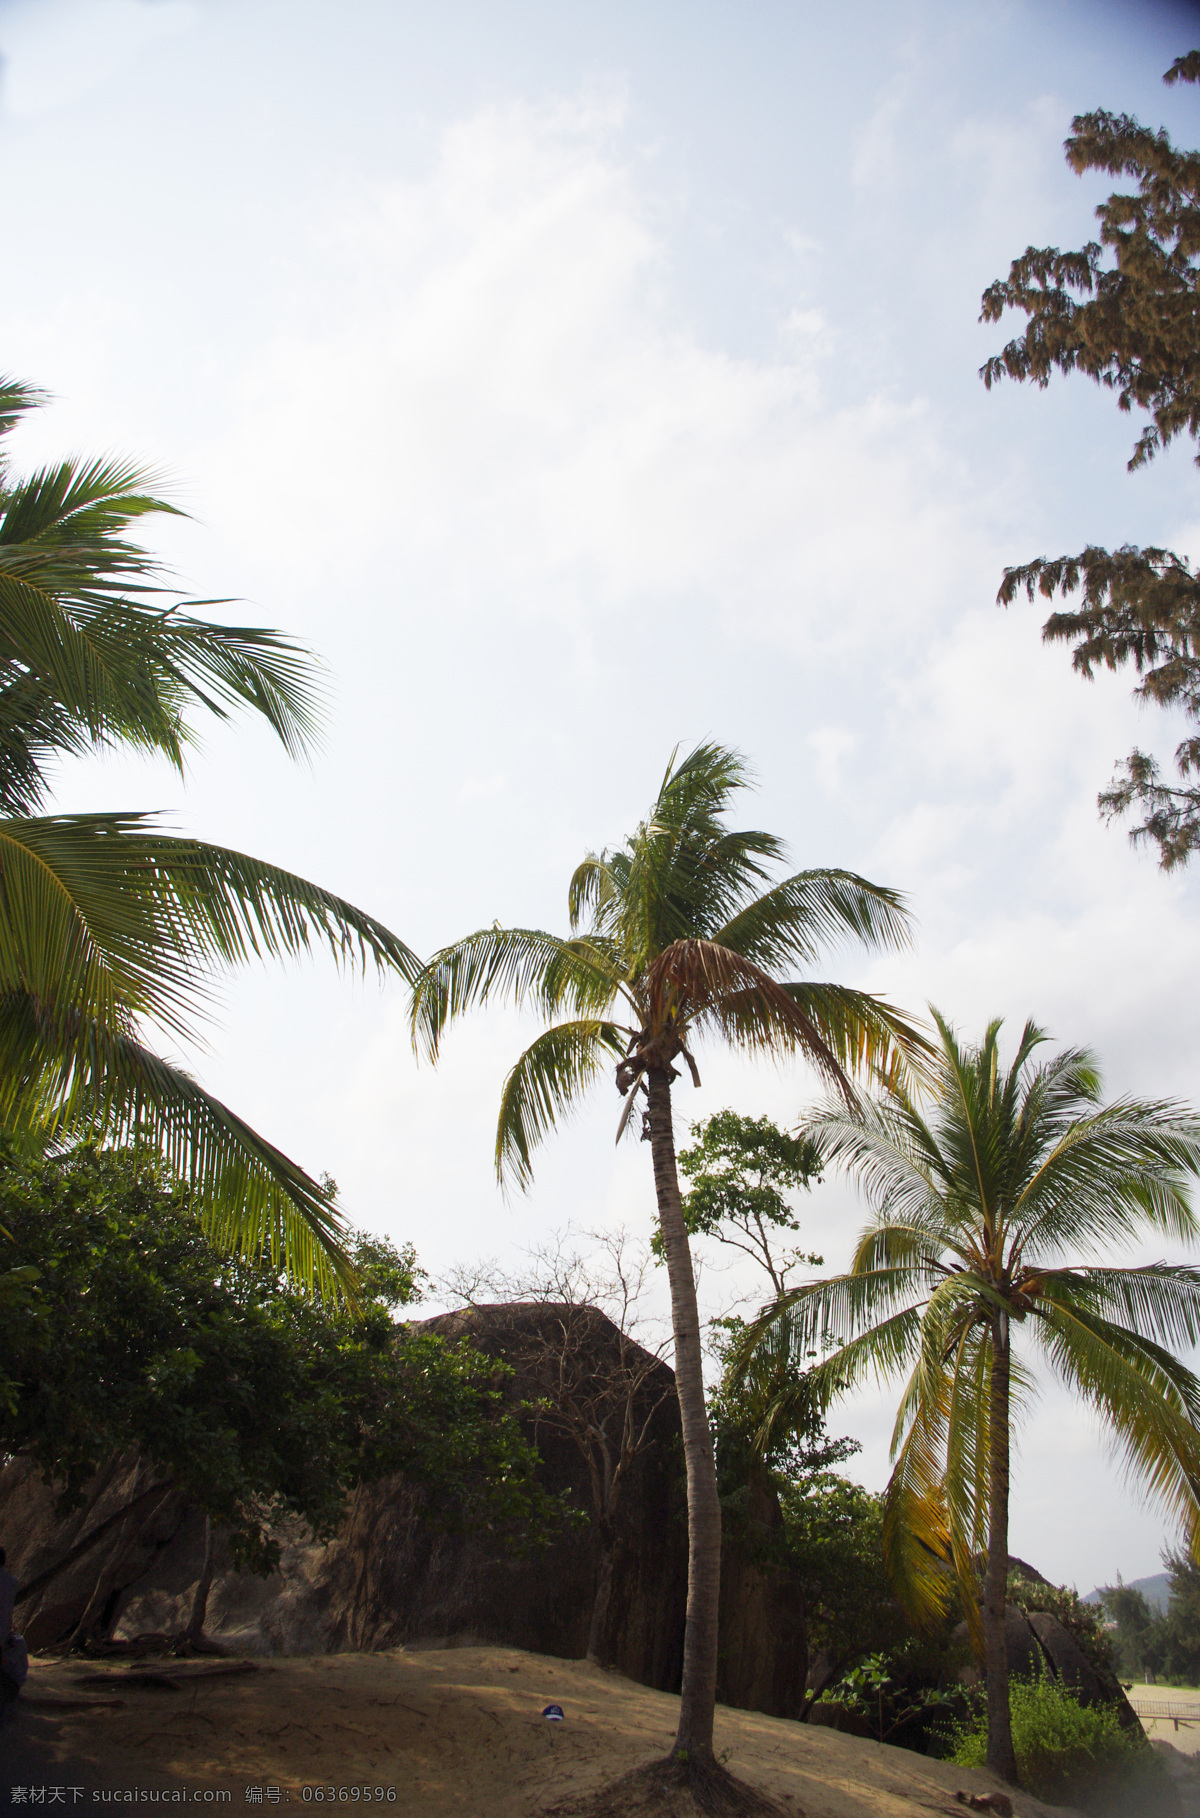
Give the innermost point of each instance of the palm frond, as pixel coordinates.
(696, 983)
(252, 1199)
(867, 1035)
(685, 872)
(16, 398)
(524, 966)
(891, 1244)
(790, 923)
(1159, 1300)
(102, 918)
(545, 1085)
(917, 1545)
(1149, 1401)
(1109, 1174)
(965, 1480)
(81, 619)
(862, 1322)
(894, 1157)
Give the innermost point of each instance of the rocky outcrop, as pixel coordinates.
(391, 1577)
(1038, 1643)
(763, 1645)
(82, 1562)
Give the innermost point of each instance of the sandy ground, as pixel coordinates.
(457, 1733)
(1185, 1738)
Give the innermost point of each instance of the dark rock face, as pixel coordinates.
(1038, 1643)
(132, 1521)
(544, 1602)
(763, 1639)
(1092, 1684)
(392, 1578)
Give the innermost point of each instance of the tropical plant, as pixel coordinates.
(1132, 326)
(247, 1396)
(978, 1205)
(878, 1690)
(741, 1171)
(105, 920)
(1066, 1751)
(677, 936)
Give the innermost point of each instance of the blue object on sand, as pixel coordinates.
(554, 1712)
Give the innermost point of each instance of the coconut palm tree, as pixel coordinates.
(985, 1206)
(106, 922)
(678, 937)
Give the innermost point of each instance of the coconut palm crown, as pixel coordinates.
(107, 922)
(678, 937)
(986, 1206)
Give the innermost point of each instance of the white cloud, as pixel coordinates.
(507, 401)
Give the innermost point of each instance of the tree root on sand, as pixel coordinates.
(674, 1789)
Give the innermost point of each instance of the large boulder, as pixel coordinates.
(84, 1560)
(1038, 1643)
(1092, 1682)
(391, 1577)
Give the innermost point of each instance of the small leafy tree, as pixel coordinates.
(742, 1171)
(830, 1542)
(834, 1534)
(889, 1699)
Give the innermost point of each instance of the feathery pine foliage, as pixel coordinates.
(1177, 1653)
(1125, 310)
(1136, 1629)
(980, 1205)
(681, 935)
(105, 921)
(1162, 1645)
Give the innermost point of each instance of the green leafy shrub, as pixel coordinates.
(891, 1699)
(123, 1330)
(1067, 1752)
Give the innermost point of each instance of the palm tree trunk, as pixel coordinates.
(694, 1740)
(1000, 1756)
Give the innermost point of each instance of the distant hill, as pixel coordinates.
(1155, 1590)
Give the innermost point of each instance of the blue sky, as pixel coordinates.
(583, 379)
